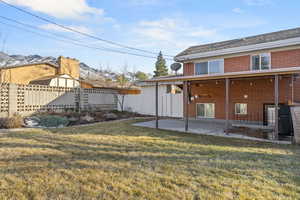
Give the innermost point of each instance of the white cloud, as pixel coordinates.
(201, 32)
(53, 27)
(143, 2)
(258, 2)
(172, 34)
(60, 9)
(238, 10)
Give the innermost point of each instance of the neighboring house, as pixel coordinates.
(243, 80)
(33, 72)
(57, 81)
(170, 99)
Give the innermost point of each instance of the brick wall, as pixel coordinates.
(259, 91)
(281, 59)
(297, 89)
(188, 69)
(236, 64)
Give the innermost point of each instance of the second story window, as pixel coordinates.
(261, 61)
(209, 67)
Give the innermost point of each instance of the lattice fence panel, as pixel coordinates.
(3, 98)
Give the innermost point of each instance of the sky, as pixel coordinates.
(169, 26)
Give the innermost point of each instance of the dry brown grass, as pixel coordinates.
(118, 161)
(16, 121)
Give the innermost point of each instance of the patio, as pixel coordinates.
(203, 127)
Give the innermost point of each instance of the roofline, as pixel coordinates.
(150, 84)
(244, 74)
(241, 49)
(29, 64)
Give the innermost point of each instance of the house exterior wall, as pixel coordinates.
(296, 92)
(188, 69)
(258, 91)
(282, 59)
(237, 64)
(25, 74)
(279, 59)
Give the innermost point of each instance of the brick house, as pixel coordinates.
(248, 81)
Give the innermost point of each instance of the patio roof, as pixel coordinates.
(243, 74)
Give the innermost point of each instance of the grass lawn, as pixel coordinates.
(118, 161)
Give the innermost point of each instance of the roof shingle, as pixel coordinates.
(257, 39)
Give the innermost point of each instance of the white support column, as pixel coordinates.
(156, 105)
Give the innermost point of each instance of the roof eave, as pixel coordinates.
(29, 64)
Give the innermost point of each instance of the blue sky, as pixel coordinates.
(153, 25)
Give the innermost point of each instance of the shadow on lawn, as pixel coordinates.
(127, 129)
(75, 151)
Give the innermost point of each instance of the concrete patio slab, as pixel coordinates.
(202, 127)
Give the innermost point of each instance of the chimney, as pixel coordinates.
(68, 66)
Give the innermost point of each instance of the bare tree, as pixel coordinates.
(126, 80)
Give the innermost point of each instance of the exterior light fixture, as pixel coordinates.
(245, 96)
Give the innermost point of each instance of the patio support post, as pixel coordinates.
(276, 96)
(186, 105)
(227, 85)
(156, 105)
(292, 82)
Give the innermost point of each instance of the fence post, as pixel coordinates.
(78, 100)
(12, 99)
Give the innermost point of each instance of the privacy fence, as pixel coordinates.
(27, 99)
(170, 105)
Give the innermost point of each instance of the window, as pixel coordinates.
(210, 67)
(206, 110)
(201, 68)
(241, 109)
(261, 61)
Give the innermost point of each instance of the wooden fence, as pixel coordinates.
(27, 99)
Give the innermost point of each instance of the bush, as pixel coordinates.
(53, 121)
(16, 121)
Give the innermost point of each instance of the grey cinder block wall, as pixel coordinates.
(27, 99)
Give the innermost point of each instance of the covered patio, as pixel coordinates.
(225, 91)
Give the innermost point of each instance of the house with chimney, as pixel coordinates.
(252, 81)
(63, 73)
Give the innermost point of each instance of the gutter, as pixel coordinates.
(244, 74)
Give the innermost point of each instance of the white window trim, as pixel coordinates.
(259, 54)
(235, 110)
(208, 71)
(205, 117)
